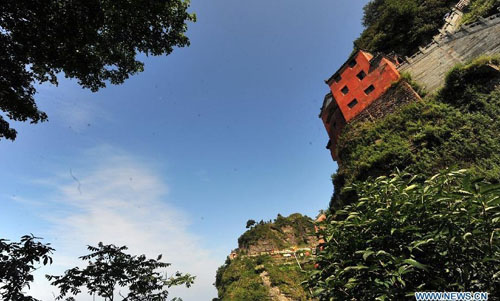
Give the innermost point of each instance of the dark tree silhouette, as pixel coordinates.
(250, 223)
(93, 41)
(17, 262)
(109, 268)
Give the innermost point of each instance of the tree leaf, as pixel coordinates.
(416, 264)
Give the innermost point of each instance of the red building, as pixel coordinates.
(362, 79)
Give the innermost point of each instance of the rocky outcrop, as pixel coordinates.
(293, 232)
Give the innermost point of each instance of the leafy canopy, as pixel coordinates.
(250, 223)
(404, 236)
(93, 41)
(109, 267)
(18, 260)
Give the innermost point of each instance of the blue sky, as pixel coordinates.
(179, 157)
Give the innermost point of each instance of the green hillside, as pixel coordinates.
(284, 232)
(242, 278)
(273, 259)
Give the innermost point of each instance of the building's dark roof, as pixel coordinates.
(352, 56)
(377, 57)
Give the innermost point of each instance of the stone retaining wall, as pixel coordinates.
(389, 102)
(430, 65)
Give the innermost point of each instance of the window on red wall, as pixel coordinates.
(337, 78)
(351, 63)
(369, 89)
(361, 75)
(345, 90)
(353, 103)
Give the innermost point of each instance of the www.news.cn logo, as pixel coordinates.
(448, 296)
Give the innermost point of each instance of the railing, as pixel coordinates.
(461, 4)
(464, 30)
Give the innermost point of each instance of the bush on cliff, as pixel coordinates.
(404, 236)
(302, 227)
(239, 280)
(480, 8)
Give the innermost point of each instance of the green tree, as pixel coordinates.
(404, 236)
(109, 267)
(18, 260)
(401, 25)
(250, 223)
(93, 41)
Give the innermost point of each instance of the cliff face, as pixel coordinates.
(278, 239)
(271, 261)
(285, 232)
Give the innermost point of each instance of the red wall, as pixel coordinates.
(381, 78)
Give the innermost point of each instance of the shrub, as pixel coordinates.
(239, 280)
(480, 8)
(404, 236)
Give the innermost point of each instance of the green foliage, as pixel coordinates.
(288, 278)
(458, 127)
(404, 236)
(260, 232)
(480, 8)
(405, 76)
(466, 85)
(93, 41)
(239, 280)
(109, 267)
(401, 25)
(250, 223)
(18, 260)
(301, 225)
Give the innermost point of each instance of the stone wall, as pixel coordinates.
(430, 65)
(392, 100)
